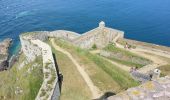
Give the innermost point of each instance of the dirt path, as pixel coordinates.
(123, 67)
(156, 60)
(95, 91)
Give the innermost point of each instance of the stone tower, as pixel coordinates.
(102, 24)
(156, 74)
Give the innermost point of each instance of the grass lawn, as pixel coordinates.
(2, 56)
(14, 80)
(127, 58)
(73, 87)
(104, 75)
(165, 70)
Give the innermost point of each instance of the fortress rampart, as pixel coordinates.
(33, 46)
(32, 51)
(100, 36)
(48, 67)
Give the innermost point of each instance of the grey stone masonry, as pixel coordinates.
(33, 45)
(100, 36)
(158, 89)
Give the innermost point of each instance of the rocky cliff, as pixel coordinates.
(4, 46)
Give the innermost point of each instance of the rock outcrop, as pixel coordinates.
(4, 46)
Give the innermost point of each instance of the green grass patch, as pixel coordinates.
(2, 56)
(29, 83)
(53, 77)
(73, 86)
(165, 70)
(118, 75)
(126, 57)
(130, 64)
(43, 93)
(104, 75)
(94, 46)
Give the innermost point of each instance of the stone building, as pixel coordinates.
(100, 36)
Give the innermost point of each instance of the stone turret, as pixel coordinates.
(102, 24)
(156, 74)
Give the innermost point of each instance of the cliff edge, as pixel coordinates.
(4, 46)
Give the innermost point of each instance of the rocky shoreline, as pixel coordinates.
(4, 53)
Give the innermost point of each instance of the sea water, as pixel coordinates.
(143, 20)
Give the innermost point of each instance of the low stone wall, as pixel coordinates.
(153, 90)
(67, 35)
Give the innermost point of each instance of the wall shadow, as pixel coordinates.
(59, 74)
(105, 96)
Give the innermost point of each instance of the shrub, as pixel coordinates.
(94, 46)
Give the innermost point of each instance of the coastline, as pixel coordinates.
(4, 53)
(34, 44)
(16, 45)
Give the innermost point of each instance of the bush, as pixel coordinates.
(94, 46)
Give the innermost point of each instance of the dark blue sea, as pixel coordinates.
(143, 20)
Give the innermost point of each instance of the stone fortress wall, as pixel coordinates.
(99, 36)
(32, 51)
(33, 45)
(48, 67)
